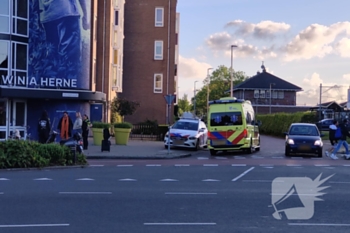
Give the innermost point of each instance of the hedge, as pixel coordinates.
(25, 154)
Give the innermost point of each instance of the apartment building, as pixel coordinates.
(150, 57)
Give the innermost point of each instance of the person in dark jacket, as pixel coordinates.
(332, 129)
(85, 131)
(65, 125)
(44, 127)
(342, 140)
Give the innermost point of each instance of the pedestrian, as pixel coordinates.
(44, 127)
(78, 123)
(65, 125)
(332, 139)
(85, 128)
(342, 140)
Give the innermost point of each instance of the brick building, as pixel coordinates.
(150, 57)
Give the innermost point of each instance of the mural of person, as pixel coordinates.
(61, 22)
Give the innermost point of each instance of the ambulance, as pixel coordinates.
(232, 126)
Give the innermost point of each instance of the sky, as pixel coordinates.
(304, 42)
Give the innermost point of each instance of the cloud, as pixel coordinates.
(317, 41)
(262, 30)
(346, 77)
(190, 68)
(343, 47)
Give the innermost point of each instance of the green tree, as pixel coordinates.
(219, 87)
(184, 105)
(124, 107)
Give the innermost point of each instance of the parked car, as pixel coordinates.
(303, 138)
(187, 132)
(323, 125)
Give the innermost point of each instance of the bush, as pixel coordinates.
(124, 125)
(100, 125)
(25, 154)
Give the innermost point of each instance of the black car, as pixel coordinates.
(323, 125)
(303, 138)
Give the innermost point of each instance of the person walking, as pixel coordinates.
(44, 127)
(78, 123)
(332, 138)
(342, 140)
(85, 128)
(65, 125)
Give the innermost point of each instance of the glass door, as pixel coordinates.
(19, 118)
(3, 119)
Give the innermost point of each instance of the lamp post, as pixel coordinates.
(271, 95)
(231, 71)
(208, 90)
(194, 98)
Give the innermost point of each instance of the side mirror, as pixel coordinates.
(201, 130)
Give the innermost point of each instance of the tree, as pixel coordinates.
(124, 107)
(183, 105)
(219, 87)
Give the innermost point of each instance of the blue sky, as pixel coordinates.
(303, 42)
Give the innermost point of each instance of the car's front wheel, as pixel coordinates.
(286, 152)
(213, 152)
(319, 153)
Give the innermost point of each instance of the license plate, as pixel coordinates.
(218, 142)
(177, 142)
(304, 147)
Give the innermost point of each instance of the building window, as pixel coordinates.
(159, 17)
(267, 94)
(95, 28)
(116, 17)
(281, 94)
(20, 18)
(262, 94)
(274, 94)
(256, 94)
(5, 16)
(158, 50)
(115, 57)
(158, 83)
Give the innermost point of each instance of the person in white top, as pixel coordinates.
(78, 123)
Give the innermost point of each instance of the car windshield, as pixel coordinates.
(303, 130)
(225, 118)
(186, 125)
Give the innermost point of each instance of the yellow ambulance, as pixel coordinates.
(232, 126)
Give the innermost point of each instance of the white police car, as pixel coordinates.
(187, 132)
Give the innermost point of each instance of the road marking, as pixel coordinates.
(127, 179)
(329, 167)
(243, 174)
(239, 165)
(277, 157)
(210, 165)
(210, 180)
(239, 157)
(86, 193)
(293, 165)
(168, 180)
(97, 165)
(262, 181)
(319, 224)
(339, 182)
(125, 165)
(257, 157)
(36, 225)
(43, 179)
(202, 158)
(346, 165)
(266, 165)
(3, 179)
(220, 158)
(184, 193)
(180, 224)
(153, 165)
(322, 165)
(182, 165)
(85, 179)
(1, 193)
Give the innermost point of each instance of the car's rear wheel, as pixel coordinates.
(286, 152)
(251, 148)
(258, 148)
(213, 152)
(197, 145)
(319, 154)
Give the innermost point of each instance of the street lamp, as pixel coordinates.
(231, 73)
(194, 98)
(271, 95)
(208, 90)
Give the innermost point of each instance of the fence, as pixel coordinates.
(148, 132)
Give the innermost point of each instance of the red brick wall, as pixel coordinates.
(289, 98)
(139, 64)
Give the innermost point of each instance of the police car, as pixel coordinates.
(187, 132)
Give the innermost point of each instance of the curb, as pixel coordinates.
(138, 157)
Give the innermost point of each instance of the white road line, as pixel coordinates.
(220, 158)
(127, 179)
(125, 165)
(174, 193)
(210, 165)
(36, 225)
(202, 158)
(257, 157)
(104, 193)
(168, 180)
(243, 174)
(85, 179)
(319, 224)
(97, 165)
(43, 179)
(153, 165)
(346, 165)
(180, 224)
(239, 165)
(293, 165)
(339, 182)
(322, 165)
(3, 179)
(210, 180)
(266, 165)
(1, 193)
(182, 165)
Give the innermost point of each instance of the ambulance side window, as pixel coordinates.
(248, 118)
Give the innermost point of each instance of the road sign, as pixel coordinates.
(169, 99)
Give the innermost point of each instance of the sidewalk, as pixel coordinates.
(136, 149)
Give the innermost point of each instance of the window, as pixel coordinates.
(281, 94)
(4, 16)
(158, 50)
(267, 94)
(186, 125)
(116, 17)
(159, 17)
(115, 57)
(256, 94)
(95, 27)
(262, 93)
(20, 18)
(225, 118)
(274, 94)
(158, 83)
